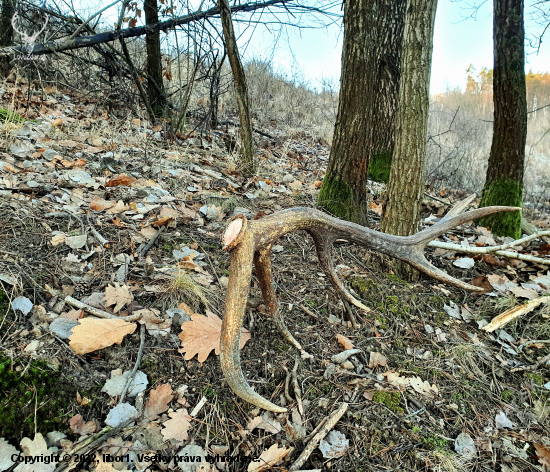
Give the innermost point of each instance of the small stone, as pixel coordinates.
(277, 248)
(121, 414)
(347, 365)
(288, 179)
(23, 304)
(224, 281)
(76, 242)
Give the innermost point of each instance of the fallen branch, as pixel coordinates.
(331, 422)
(297, 391)
(499, 321)
(97, 312)
(100, 239)
(136, 365)
(153, 239)
(492, 250)
(534, 366)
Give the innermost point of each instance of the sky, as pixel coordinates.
(458, 42)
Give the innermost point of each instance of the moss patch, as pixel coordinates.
(336, 196)
(380, 166)
(507, 193)
(390, 399)
(40, 388)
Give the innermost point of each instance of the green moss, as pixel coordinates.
(336, 196)
(361, 286)
(380, 166)
(10, 115)
(506, 193)
(390, 399)
(506, 395)
(40, 399)
(536, 378)
(436, 443)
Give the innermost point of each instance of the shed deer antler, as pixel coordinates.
(251, 241)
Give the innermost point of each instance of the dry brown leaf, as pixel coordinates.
(98, 204)
(152, 321)
(57, 122)
(344, 342)
(376, 359)
(482, 282)
(58, 239)
(72, 314)
(543, 455)
(202, 334)
(376, 208)
(92, 334)
(317, 184)
(159, 399)
(79, 426)
(120, 179)
(161, 221)
(93, 149)
(177, 426)
(118, 208)
(119, 295)
(268, 458)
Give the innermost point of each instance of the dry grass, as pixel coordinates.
(182, 288)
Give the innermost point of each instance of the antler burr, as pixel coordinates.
(250, 242)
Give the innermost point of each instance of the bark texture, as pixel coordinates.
(404, 198)
(343, 192)
(6, 33)
(250, 242)
(391, 24)
(155, 82)
(241, 89)
(504, 180)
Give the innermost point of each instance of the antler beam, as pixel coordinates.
(250, 242)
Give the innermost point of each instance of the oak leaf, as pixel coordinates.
(98, 204)
(92, 334)
(177, 426)
(344, 342)
(119, 295)
(120, 179)
(268, 458)
(543, 455)
(159, 399)
(202, 334)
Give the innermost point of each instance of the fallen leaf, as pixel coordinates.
(483, 282)
(334, 445)
(543, 455)
(344, 342)
(501, 421)
(161, 221)
(177, 426)
(493, 260)
(377, 360)
(92, 334)
(265, 422)
(376, 208)
(159, 399)
(521, 292)
(98, 204)
(36, 448)
(57, 122)
(58, 239)
(268, 458)
(120, 179)
(119, 295)
(202, 334)
(118, 208)
(79, 426)
(464, 263)
(7, 451)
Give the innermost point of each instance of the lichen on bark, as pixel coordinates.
(502, 192)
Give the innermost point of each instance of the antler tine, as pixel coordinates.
(235, 306)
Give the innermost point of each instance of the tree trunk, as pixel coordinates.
(155, 83)
(241, 90)
(404, 197)
(6, 33)
(343, 192)
(504, 180)
(389, 47)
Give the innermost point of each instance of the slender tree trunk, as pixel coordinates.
(404, 196)
(241, 90)
(6, 33)
(389, 47)
(155, 83)
(343, 192)
(504, 180)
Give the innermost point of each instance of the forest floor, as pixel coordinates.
(81, 196)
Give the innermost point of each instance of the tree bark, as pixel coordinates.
(6, 33)
(155, 82)
(389, 47)
(343, 192)
(404, 196)
(504, 180)
(241, 89)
